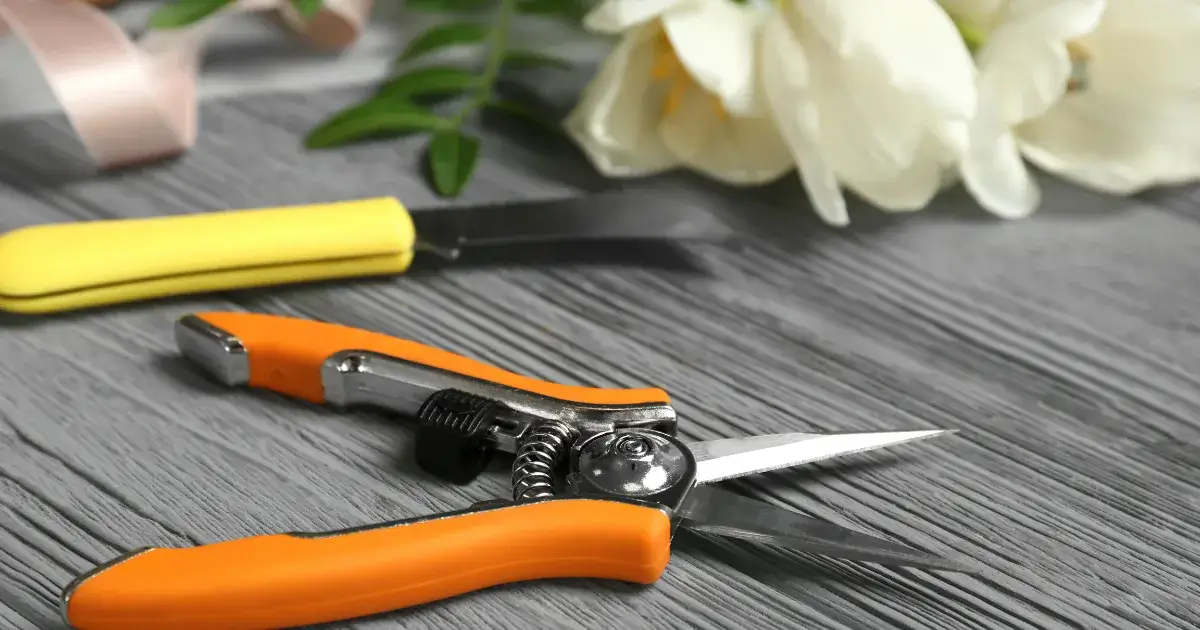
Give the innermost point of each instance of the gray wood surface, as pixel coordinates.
(1064, 348)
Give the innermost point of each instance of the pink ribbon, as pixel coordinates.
(135, 102)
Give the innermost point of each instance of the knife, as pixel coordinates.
(68, 266)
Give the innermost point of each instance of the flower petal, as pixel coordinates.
(1021, 78)
(883, 87)
(1052, 20)
(735, 150)
(1023, 71)
(615, 121)
(785, 79)
(914, 41)
(914, 187)
(1147, 47)
(1137, 123)
(868, 129)
(715, 40)
(617, 16)
(1116, 146)
(994, 173)
(1024, 68)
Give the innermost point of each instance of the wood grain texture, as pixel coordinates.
(1064, 347)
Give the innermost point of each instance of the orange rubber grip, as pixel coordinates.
(286, 354)
(283, 581)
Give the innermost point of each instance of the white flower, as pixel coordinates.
(1105, 94)
(1136, 122)
(678, 90)
(1026, 63)
(874, 96)
(857, 93)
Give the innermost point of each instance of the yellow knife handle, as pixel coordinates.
(65, 266)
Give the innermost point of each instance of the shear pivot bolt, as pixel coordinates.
(636, 463)
(633, 445)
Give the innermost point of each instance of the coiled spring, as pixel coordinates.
(537, 458)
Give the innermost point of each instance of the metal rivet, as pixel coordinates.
(633, 445)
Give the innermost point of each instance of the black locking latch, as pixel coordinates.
(452, 441)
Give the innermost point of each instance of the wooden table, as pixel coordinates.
(1064, 347)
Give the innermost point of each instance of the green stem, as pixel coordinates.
(497, 47)
(974, 36)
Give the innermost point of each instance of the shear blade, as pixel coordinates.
(717, 460)
(618, 215)
(712, 510)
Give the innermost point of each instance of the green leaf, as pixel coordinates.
(308, 8)
(184, 13)
(539, 7)
(520, 110)
(445, 36)
(448, 6)
(452, 159)
(531, 59)
(374, 118)
(570, 9)
(435, 80)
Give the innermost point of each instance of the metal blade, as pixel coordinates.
(712, 510)
(717, 460)
(617, 215)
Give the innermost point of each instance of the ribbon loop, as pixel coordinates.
(132, 103)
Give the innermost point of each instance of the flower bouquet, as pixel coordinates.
(892, 100)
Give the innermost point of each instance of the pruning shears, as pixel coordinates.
(601, 483)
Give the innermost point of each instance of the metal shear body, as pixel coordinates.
(630, 483)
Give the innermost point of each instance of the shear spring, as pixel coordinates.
(538, 457)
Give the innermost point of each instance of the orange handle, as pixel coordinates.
(288, 580)
(286, 354)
